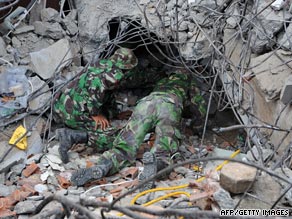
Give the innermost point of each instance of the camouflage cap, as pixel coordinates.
(124, 58)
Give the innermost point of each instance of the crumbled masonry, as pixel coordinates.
(235, 58)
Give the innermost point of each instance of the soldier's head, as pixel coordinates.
(124, 58)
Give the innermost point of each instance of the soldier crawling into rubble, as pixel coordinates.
(84, 103)
(161, 110)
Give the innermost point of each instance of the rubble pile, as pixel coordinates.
(244, 49)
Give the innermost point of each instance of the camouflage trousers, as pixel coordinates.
(158, 111)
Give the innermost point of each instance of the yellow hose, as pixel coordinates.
(166, 196)
(219, 167)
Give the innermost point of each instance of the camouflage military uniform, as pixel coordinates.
(91, 92)
(161, 110)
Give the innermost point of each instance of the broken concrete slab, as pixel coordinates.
(269, 13)
(30, 42)
(15, 156)
(52, 59)
(284, 39)
(263, 35)
(33, 122)
(223, 199)
(52, 30)
(286, 92)
(266, 188)
(3, 51)
(23, 29)
(271, 72)
(236, 177)
(6, 190)
(35, 144)
(255, 154)
(42, 95)
(50, 15)
(93, 17)
(26, 207)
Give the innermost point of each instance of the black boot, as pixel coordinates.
(150, 169)
(82, 176)
(68, 137)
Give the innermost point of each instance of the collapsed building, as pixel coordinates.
(240, 51)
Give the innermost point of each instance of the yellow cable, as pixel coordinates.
(157, 189)
(234, 154)
(219, 167)
(166, 196)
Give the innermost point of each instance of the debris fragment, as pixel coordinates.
(30, 169)
(237, 178)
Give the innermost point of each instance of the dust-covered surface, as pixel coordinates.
(239, 51)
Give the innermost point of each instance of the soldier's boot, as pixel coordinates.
(82, 176)
(150, 169)
(68, 137)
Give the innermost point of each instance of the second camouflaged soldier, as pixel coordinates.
(161, 110)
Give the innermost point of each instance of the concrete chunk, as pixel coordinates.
(236, 177)
(286, 93)
(270, 72)
(55, 57)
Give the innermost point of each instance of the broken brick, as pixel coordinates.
(28, 188)
(18, 195)
(29, 170)
(6, 203)
(96, 182)
(31, 180)
(6, 213)
(118, 189)
(64, 183)
(130, 171)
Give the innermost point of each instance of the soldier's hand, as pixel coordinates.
(102, 121)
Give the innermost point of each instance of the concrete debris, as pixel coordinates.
(279, 4)
(14, 157)
(263, 36)
(50, 15)
(42, 94)
(52, 30)
(41, 188)
(23, 29)
(266, 188)
(35, 144)
(26, 207)
(6, 190)
(257, 153)
(270, 73)
(3, 51)
(52, 59)
(60, 44)
(286, 92)
(29, 42)
(237, 178)
(284, 39)
(223, 199)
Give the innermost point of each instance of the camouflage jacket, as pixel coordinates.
(87, 94)
(184, 87)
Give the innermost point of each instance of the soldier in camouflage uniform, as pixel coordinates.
(81, 105)
(161, 110)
